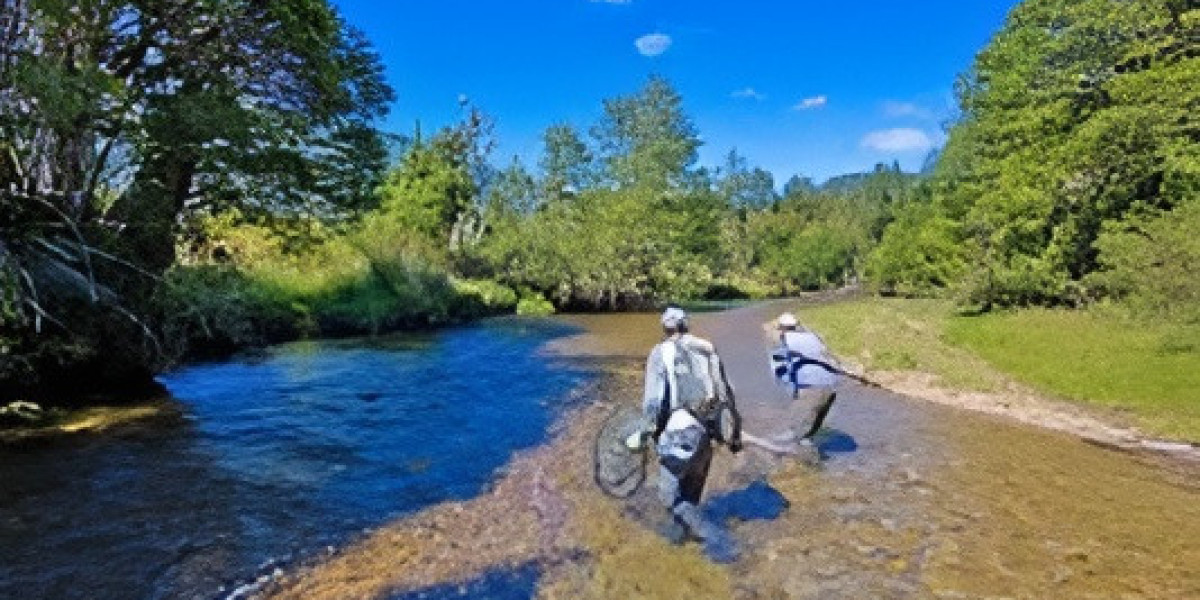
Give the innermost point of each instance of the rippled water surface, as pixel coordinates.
(277, 457)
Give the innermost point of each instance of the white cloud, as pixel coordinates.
(612, 1)
(895, 109)
(811, 103)
(749, 93)
(901, 139)
(653, 44)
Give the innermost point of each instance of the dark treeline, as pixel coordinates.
(178, 181)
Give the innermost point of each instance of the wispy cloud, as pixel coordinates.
(896, 110)
(902, 139)
(749, 94)
(611, 1)
(811, 103)
(653, 44)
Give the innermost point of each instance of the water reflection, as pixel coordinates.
(279, 456)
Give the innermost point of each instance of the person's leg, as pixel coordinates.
(686, 507)
(819, 401)
(669, 494)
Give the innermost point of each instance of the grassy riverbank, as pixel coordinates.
(1149, 371)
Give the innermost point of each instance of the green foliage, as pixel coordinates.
(818, 237)
(146, 113)
(743, 187)
(646, 139)
(609, 248)
(1078, 119)
(918, 255)
(483, 297)
(567, 163)
(435, 189)
(809, 257)
(534, 306)
(1154, 264)
(375, 277)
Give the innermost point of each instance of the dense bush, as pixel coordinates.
(1078, 130)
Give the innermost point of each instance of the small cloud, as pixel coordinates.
(611, 1)
(895, 109)
(653, 44)
(749, 93)
(902, 139)
(811, 103)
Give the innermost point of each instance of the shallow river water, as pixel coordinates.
(310, 444)
(276, 457)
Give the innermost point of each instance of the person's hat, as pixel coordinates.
(787, 319)
(673, 317)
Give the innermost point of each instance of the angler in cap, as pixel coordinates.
(687, 404)
(803, 364)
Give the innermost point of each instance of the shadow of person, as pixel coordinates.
(755, 502)
(835, 441)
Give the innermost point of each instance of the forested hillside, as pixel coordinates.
(1073, 171)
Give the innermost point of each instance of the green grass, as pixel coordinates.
(905, 335)
(1149, 371)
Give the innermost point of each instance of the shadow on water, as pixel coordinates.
(835, 441)
(519, 583)
(756, 502)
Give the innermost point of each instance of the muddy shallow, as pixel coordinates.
(913, 499)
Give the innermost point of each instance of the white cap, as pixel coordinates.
(787, 319)
(673, 316)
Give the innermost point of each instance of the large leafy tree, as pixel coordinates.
(119, 118)
(1079, 116)
(646, 139)
(567, 163)
(744, 187)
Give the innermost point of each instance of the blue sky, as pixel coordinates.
(817, 88)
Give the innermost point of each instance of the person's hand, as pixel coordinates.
(636, 441)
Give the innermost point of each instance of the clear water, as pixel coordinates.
(278, 457)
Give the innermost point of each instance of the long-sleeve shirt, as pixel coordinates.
(808, 345)
(659, 376)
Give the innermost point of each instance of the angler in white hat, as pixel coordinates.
(802, 363)
(686, 400)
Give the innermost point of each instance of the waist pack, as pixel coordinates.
(682, 439)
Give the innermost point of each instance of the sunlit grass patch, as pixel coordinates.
(1152, 370)
(887, 334)
(1148, 370)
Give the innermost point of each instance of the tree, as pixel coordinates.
(1077, 117)
(646, 139)
(744, 188)
(566, 162)
(118, 119)
(436, 190)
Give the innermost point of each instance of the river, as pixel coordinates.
(311, 444)
(277, 457)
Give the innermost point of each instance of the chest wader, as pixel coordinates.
(816, 400)
(685, 454)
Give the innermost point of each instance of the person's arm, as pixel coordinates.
(655, 390)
